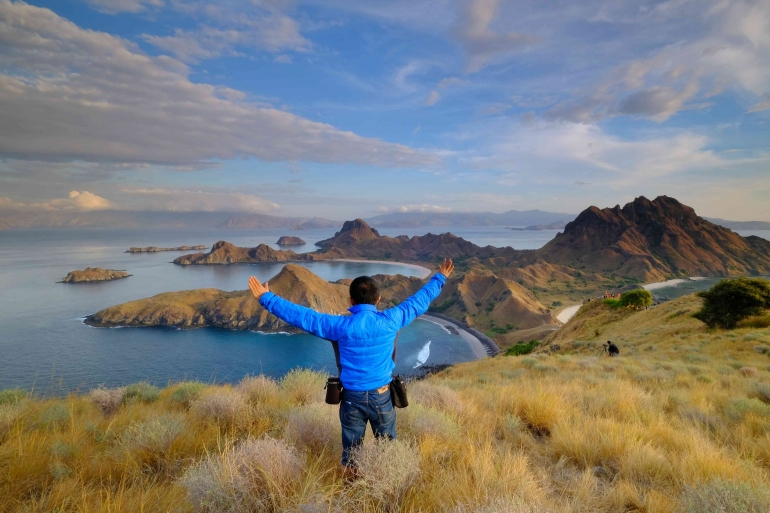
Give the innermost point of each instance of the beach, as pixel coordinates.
(424, 271)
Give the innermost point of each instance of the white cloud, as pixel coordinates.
(432, 98)
(75, 94)
(763, 105)
(479, 41)
(415, 208)
(76, 200)
(9, 203)
(181, 200)
(118, 6)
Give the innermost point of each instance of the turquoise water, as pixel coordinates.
(44, 344)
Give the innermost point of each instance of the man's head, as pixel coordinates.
(364, 291)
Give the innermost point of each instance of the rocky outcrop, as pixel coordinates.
(94, 274)
(226, 253)
(288, 240)
(653, 240)
(234, 310)
(155, 249)
(351, 234)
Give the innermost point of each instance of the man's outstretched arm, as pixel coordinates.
(418, 304)
(320, 325)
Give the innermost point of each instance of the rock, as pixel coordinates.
(155, 249)
(288, 240)
(226, 253)
(93, 274)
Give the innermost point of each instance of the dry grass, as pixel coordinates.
(680, 422)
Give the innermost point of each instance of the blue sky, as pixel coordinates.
(353, 108)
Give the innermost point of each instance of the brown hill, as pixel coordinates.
(289, 240)
(226, 253)
(234, 310)
(352, 233)
(155, 249)
(653, 240)
(94, 274)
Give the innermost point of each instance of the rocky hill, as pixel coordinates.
(94, 274)
(653, 240)
(351, 234)
(155, 249)
(288, 240)
(234, 310)
(226, 253)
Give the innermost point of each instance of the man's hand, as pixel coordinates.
(446, 267)
(257, 289)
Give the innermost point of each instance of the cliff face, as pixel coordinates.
(94, 274)
(225, 253)
(234, 310)
(652, 240)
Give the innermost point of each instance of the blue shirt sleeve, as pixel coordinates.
(321, 325)
(418, 304)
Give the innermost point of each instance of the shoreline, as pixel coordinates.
(424, 271)
(568, 313)
(481, 345)
(671, 283)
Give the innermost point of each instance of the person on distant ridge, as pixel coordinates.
(612, 349)
(366, 340)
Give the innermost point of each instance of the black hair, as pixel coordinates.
(364, 291)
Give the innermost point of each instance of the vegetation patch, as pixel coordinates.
(522, 348)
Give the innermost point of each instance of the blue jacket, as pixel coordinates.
(365, 338)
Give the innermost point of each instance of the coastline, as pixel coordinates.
(670, 283)
(424, 271)
(481, 345)
(568, 313)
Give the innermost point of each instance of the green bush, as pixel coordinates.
(730, 301)
(638, 298)
(12, 395)
(557, 303)
(443, 307)
(521, 349)
(186, 392)
(141, 392)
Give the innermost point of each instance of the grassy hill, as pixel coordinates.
(679, 422)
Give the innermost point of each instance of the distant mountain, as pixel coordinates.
(510, 218)
(652, 240)
(740, 225)
(119, 219)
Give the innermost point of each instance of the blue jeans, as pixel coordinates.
(358, 408)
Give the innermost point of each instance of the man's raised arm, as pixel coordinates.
(321, 325)
(418, 304)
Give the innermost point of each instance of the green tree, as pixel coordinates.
(730, 301)
(638, 298)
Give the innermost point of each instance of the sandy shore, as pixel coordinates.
(568, 313)
(424, 271)
(478, 348)
(670, 283)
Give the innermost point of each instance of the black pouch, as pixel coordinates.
(333, 390)
(398, 393)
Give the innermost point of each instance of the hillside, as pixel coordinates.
(653, 240)
(510, 218)
(233, 310)
(226, 253)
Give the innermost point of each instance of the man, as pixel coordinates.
(365, 341)
(612, 349)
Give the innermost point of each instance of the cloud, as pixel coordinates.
(76, 200)
(74, 94)
(658, 103)
(432, 98)
(415, 208)
(118, 6)
(181, 200)
(763, 105)
(9, 203)
(479, 41)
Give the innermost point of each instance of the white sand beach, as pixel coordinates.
(478, 348)
(568, 313)
(424, 271)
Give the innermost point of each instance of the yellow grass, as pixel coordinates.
(674, 424)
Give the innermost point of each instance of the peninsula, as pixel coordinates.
(94, 274)
(155, 249)
(289, 240)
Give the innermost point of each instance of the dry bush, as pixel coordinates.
(186, 392)
(55, 414)
(436, 396)
(420, 421)
(719, 496)
(315, 426)
(153, 436)
(108, 399)
(387, 469)
(224, 406)
(9, 413)
(258, 388)
(255, 475)
(749, 371)
(500, 505)
(304, 386)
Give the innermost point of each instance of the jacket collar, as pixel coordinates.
(362, 308)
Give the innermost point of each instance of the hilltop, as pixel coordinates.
(94, 274)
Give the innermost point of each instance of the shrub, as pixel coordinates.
(725, 497)
(435, 396)
(315, 426)
(638, 298)
(500, 505)
(730, 301)
(255, 475)
(187, 392)
(739, 408)
(108, 399)
(153, 436)
(422, 421)
(224, 406)
(258, 388)
(387, 468)
(748, 371)
(9, 413)
(521, 349)
(57, 413)
(12, 396)
(142, 392)
(528, 362)
(304, 385)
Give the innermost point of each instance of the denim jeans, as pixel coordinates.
(358, 408)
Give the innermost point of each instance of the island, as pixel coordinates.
(155, 249)
(289, 240)
(94, 274)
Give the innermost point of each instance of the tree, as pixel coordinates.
(638, 298)
(730, 301)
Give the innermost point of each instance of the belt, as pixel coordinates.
(383, 389)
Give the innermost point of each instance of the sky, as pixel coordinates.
(353, 108)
